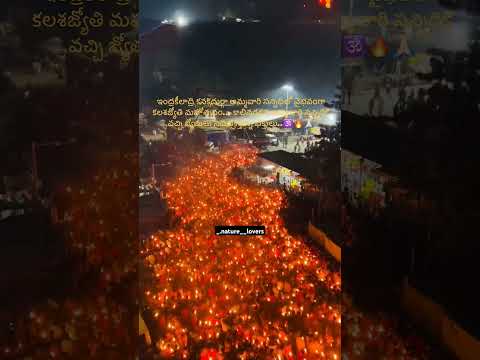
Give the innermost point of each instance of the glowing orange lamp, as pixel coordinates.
(325, 3)
(379, 48)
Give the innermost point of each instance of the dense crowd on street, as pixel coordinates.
(94, 198)
(98, 217)
(244, 297)
(94, 321)
(444, 104)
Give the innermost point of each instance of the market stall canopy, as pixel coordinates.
(307, 168)
(259, 170)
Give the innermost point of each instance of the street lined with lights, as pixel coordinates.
(268, 297)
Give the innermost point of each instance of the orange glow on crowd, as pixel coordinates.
(252, 297)
(326, 3)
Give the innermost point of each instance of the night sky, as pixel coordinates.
(200, 10)
(255, 59)
(289, 9)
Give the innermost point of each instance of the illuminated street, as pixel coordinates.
(268, 297)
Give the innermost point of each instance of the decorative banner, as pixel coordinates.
(354, 46)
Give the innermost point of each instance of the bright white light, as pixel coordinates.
(287, 87)
(224, 18)
(268, 167)
(331, 119)
(238, 20)
(182, 21)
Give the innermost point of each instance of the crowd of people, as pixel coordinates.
(304, 144)
(378, 336)
(85, 327)
(447, 99)
(99, 220)
(443, 103)
(244, 297)
(96, 319)
(93, 198)
(367, 334)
